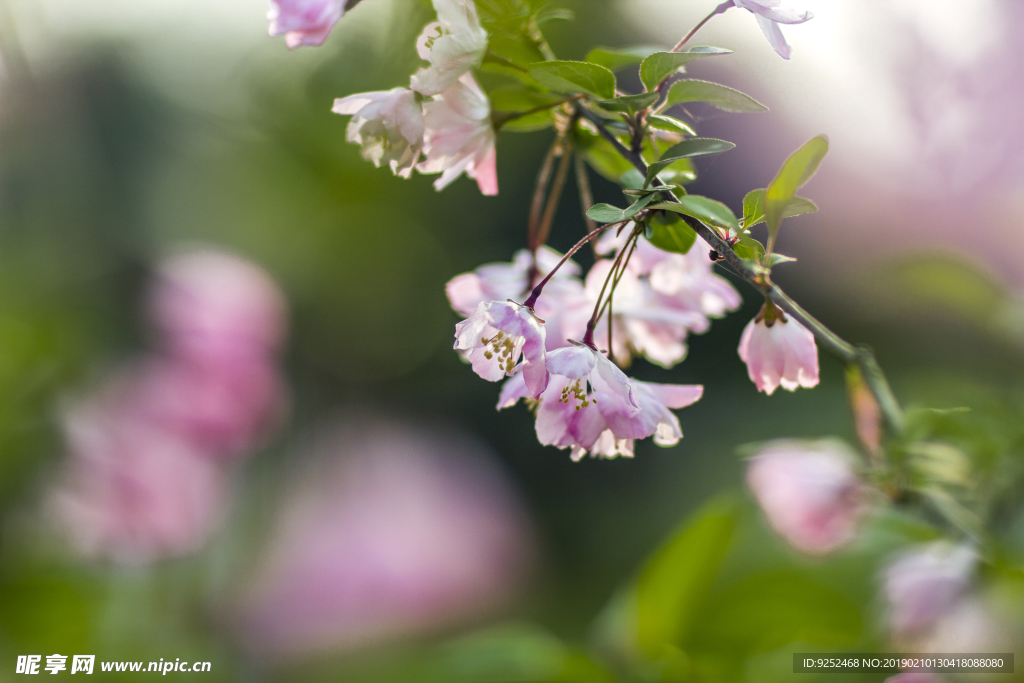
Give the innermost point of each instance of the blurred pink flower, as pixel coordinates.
(453, 45)
(388, 125)
(133, 492)
(809, 493)
(771, 13)
(563, 306)
(459, 137)
(494, 337)
(777, 352)
(211, 307)
(395, 530)
(304, 22)
(926, 583)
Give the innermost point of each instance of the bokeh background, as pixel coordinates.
(132, 131)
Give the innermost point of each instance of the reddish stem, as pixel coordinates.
(532, 300)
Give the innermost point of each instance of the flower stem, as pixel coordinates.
(588, 338)
(718, 10)
(861, 356)
(532, 300)
(500, 118)
(586, 196)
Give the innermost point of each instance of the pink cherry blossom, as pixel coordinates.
(133, 492)
(304, 22)
(809, 493)
(771, 13)
(654, 419)
(924, 584)
(779, 351)
(914, 677)
(213, 308)
(564, 307)
(391, 530)
(497, 335)
(453, 45)
(459, 137)
(388, 125)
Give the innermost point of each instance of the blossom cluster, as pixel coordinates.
(150, 450)
(551, 352)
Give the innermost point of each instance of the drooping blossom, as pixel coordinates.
(660, 299)
(132, 491)
(771, 13)
(914, 677)
(453, 45)
(388, 125)
(809, 493)
(779, 351)
(925, 584)
(391, 530)
(459, 137)
(563, 306)
(494, 338)
(304, 22)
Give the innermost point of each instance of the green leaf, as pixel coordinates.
(630, 103)
(659, 66)
(748, 248)
(556, 14)
(793, 175)
(615, 59)
(705, 209)
(631, 179)
(575, 77)
(670, 124)
(519, 98)
(677, 237)
(606, 213)
(776, 259)
(693, 147)
(716, 95)
(674, 582)
(753, 208)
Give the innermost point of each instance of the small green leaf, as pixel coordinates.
(575, 77)
(606, 213)
(615, 59)
(716, 95)
(675, 237)
(704, 209)
(630, 103)
(670, 124)
(753, 208)
(557, 14)
(602, 157)
(748, 248)
(776, 259)
(793, 175)
(693, 147)
(659, 66)
(631, 179)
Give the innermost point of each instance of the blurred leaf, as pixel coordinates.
(677, 237)
(601, 156)
(794, 174)
(575, 77)
(748, 248)
(677, 577)
(687, 148)
(709, 210)
(753, 208)
(630, 103)
(615, 59)
(776, 259)
(606, 213)
(716, 95)
(660, 65)
(766, 611)
(519, 98)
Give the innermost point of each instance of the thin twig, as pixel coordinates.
(568, 255)
(557, 186)
(586, 196)
(849, 354)
(537, 204)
